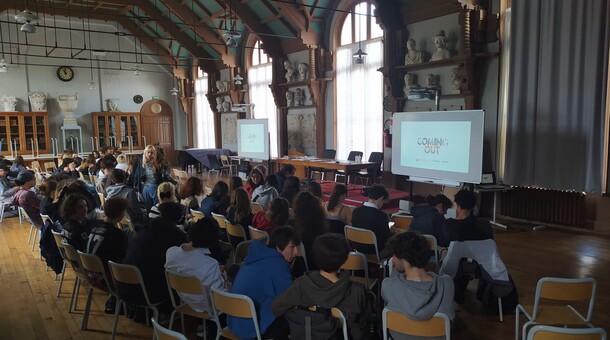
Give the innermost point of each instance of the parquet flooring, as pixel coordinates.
(31, 310)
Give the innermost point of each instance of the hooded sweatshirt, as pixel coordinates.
(427, 220)
(136, 214)
(312, 289)
(264, 194)
(418, 300)
(264, 275)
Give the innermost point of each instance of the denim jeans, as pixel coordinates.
(149, 194)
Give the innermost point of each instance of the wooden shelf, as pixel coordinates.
(302, 82)
(300, 107)
(432, 64)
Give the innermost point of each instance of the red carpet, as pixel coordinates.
(356, 198)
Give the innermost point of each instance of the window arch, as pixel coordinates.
(359, 109)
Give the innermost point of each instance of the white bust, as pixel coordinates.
(456, 80)
(289, 71)
(289, 98)
(112, 105)
(9, 103)
(220, 86)
(299, 97)
(38, 101)
(409, 79)
(219, 101)
(440, 41)
(413, 56)
(303, 71)
(226, 106)
(431, 81)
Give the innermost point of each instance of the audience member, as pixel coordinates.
(428, 218)
(337, 211)
(17, 166)
(255, 179)
(147, 173)
(327, 288)
(118, 188)
(310, 221)
(68, 166)
(466, 226)
(285, 172)
(76, 227)
(276, 216)
(264, 275)
(7, 189)
(65, 187)
(107, 164)
(292, 186)
(240, 212)
(47, 189)
(87, 164)
(411, 290)
(26, 198)
(191, 193)
(166, 192)
(122, 162)
(218, 201)
(315, 189)
(369, 216)
(266, 193)
(195, 259)
(234, 183)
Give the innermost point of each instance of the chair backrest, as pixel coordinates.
(58, 239)
(241, 251)
(438, 325)
(363, 236)
(433, 245)
(72, 255)
(376, 157)
(45, 218)
(357, 261)
(257, 234)
(236, 305)
(102, 199)
(256, 207)
(92, 263)
(221, 220)
(484, 252)
(224, 160)
(128, 274)
(24, 213)
(35, 165)
(301, 252)
(566, 289)
(353, 154)
(125, 223)
(93, 179)
(402, 222)
(544, 332)
(214, 163)
(49, 166)
(163, 333)
(196, 215)
(337, 314)
(181, 175)
(236, 230)
(329, 154)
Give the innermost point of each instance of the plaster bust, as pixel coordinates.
(289, 98)
(226, 106)
(219, 101)
(289, 71)
(220, 86)
(112, 104)
(299, 97)
(303, 71)
(409, 79)
(413, 56)
(440, 41)
(431, 80)
(455, 80)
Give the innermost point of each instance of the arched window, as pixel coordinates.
(259, 77)
(359, 107)
(204, 116)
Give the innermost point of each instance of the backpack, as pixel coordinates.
(307, 324)
(48, 247)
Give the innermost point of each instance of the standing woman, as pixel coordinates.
(148, 173)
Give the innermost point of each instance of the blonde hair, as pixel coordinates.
(149, 147)
(168, 191)
(121, 158)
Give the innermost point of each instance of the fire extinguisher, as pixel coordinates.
(387, 133)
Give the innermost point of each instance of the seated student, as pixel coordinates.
(17, 166)
(217, 202)
(327, 288)
(68, 166)
(118, 188)
(276, 216)
(240, 212)
(106, 165)
(315, 189)
(466, 226)
(292, 186)
(7, 189)
(75, 226)
(264, 275)
(428, 217)
(166, 192)
(264, 194)
(147, 252)
(256, 178)
(285, 172)
(337, 211)
(411, 290)
(191, 193)
(26, 198)
(369, 216)
(310, 220)
(196, 259)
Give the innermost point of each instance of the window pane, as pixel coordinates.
(204, 116)
(376, 31)
(259, 78)
(361, 19)
(346, 31)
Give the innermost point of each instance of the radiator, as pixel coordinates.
(561, 207)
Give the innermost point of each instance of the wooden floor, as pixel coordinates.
(31, 310)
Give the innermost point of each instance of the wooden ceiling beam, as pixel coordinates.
(298, 16)
(207, 34)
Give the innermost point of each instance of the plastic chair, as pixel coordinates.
(301, 252)
(196, 215)
(257, 234)
(185, 284)
(351, 157)
(224, 161)
(163, 333)
(235, 231)
(433, 245)
(438, 325)
(222, 223)
(366, 237)
(181, 176)
(60, 246)
(541, 332)
(337, 314)
(215, 165)
(3, 206)
(128, 274)
(241, 251)
(93, 264)
(49, 165)
(375, 157)
(357, 261)
(36, 231)
(560, 290)
(81, 274)
(256, 207)
(236, 305)
(102, 200)
(402, 222)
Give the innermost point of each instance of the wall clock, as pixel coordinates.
(137, 99)
(65, 73)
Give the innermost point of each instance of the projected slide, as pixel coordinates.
(252, 138)
(435, 145)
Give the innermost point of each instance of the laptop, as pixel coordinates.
(488, 181)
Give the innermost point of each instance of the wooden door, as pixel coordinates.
(158, 128)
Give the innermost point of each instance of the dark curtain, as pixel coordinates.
(557, 94)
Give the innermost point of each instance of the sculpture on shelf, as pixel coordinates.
(9, 103)
(456, 80)
(220, 86)
(226, 86)
(303, 69)
(431, 81)
(413, 56)
(289, 98)
(112, 105)
(410, 83)
(289, 71)
(68, 105)
(299, 97)
(226, 106)
(38, 101)
(440, 41)
(219, 101)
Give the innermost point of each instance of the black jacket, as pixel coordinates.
(427, 220)
(375, 220)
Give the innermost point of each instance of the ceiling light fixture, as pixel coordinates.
(29, 20)
(238, 79)
(230, 34)
(137, 70)
(174, 91)
(3, 68)
(360, 54)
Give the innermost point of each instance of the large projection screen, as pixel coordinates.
(253, 138)
(439, 145)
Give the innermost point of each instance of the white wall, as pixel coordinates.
(31, 70)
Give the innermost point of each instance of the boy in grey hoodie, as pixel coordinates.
(411, 290)
(119, 189)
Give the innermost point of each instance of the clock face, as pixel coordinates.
(65, 73)
(137, 99)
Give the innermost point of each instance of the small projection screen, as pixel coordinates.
(253, 138)
(439, 145)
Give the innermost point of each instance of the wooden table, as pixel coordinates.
(302, 165)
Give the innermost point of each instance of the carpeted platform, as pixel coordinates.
(356, 198)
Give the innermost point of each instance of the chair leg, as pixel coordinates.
(74, 293)
(115, 321)
(500, 310)
(20, 217)
(30, 235)
(171, 321)
(2, 206)
(61, 280)
(87, 308)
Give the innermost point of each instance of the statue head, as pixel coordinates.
(287, 65)
(411, 44)
(440, 40)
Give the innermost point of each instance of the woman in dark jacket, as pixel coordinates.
(218, 201)
(148, 173)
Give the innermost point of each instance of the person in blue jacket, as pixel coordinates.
(264, 275)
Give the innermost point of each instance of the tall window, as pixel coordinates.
(359, 108)
(204, 116)
(259, 78)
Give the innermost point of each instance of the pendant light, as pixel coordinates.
(360, 54)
